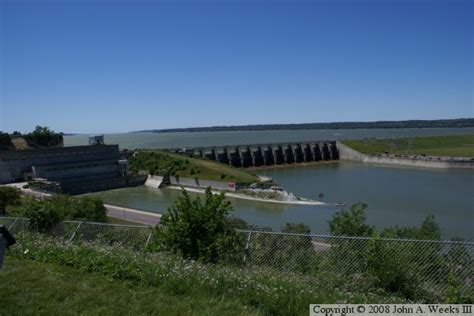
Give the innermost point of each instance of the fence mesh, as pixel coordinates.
(134, 237)
(401, 265)
(433, 267)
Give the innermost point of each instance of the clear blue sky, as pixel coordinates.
(114, 66)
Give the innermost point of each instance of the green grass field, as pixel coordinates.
(33, 288)
(450, 146)
(160, 162)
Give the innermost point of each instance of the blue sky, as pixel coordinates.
(116, 66)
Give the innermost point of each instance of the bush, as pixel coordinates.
(8, 196)
(88, 208)
(42, 217)
(44, 214)
(199, 231)
(351, 223)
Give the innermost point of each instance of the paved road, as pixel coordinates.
(125, 213)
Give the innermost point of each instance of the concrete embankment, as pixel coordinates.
(349, 154)
(132, 215)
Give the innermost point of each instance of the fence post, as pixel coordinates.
(247, 246)
(75, 231)
(148, 239)
(13, 224)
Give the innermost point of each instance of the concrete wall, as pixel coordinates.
(154, 181)
(13, 163)
(89, 169)
(80, 187)
(267, 154)
(203, 184)
(347, 153)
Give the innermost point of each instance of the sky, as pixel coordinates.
(118, 66)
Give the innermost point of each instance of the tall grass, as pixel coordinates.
(263, 289)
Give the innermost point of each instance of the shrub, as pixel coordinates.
(42, 217)
(46, 213)
(8, 196)
(88, 208)
(199, 230)
(351, 223)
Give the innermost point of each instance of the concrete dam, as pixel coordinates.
(257, 155)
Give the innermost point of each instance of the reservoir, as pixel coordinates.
(395, 196)
(204, 139)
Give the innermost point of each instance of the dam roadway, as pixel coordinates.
(256, 155)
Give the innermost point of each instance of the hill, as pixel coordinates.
(453, 123)
(166, 163)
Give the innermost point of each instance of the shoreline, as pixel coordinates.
(428, 162)
(293, 165)
(246, 197)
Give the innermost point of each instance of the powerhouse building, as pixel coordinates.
(75, 169)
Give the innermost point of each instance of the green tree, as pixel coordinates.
(8, 196)
(351, 223)
(429, 230)
(198, 230)
(43, 136)
(5, 141)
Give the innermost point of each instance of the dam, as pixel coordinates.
(258, 155)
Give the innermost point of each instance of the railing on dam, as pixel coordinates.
(256, 155)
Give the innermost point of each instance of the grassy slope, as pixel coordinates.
(213, 170)
(451, 146)
(206, 169)
(33, 288)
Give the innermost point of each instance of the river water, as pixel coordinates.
(395, 195)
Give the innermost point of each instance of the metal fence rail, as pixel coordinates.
(431, 266)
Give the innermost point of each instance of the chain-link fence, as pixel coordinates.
(134, 237)
(401, 265)
(398, 265)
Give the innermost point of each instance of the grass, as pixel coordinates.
(35, 288)
(121, 221)
(207, 169)
(161, 163)
(450, 146)
(228, 289)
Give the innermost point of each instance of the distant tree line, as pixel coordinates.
(5, 141)
(453, 123)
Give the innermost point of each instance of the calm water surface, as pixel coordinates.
(395, 196)
(176, 140)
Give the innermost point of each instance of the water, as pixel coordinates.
(177, 140)
(395, 195)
